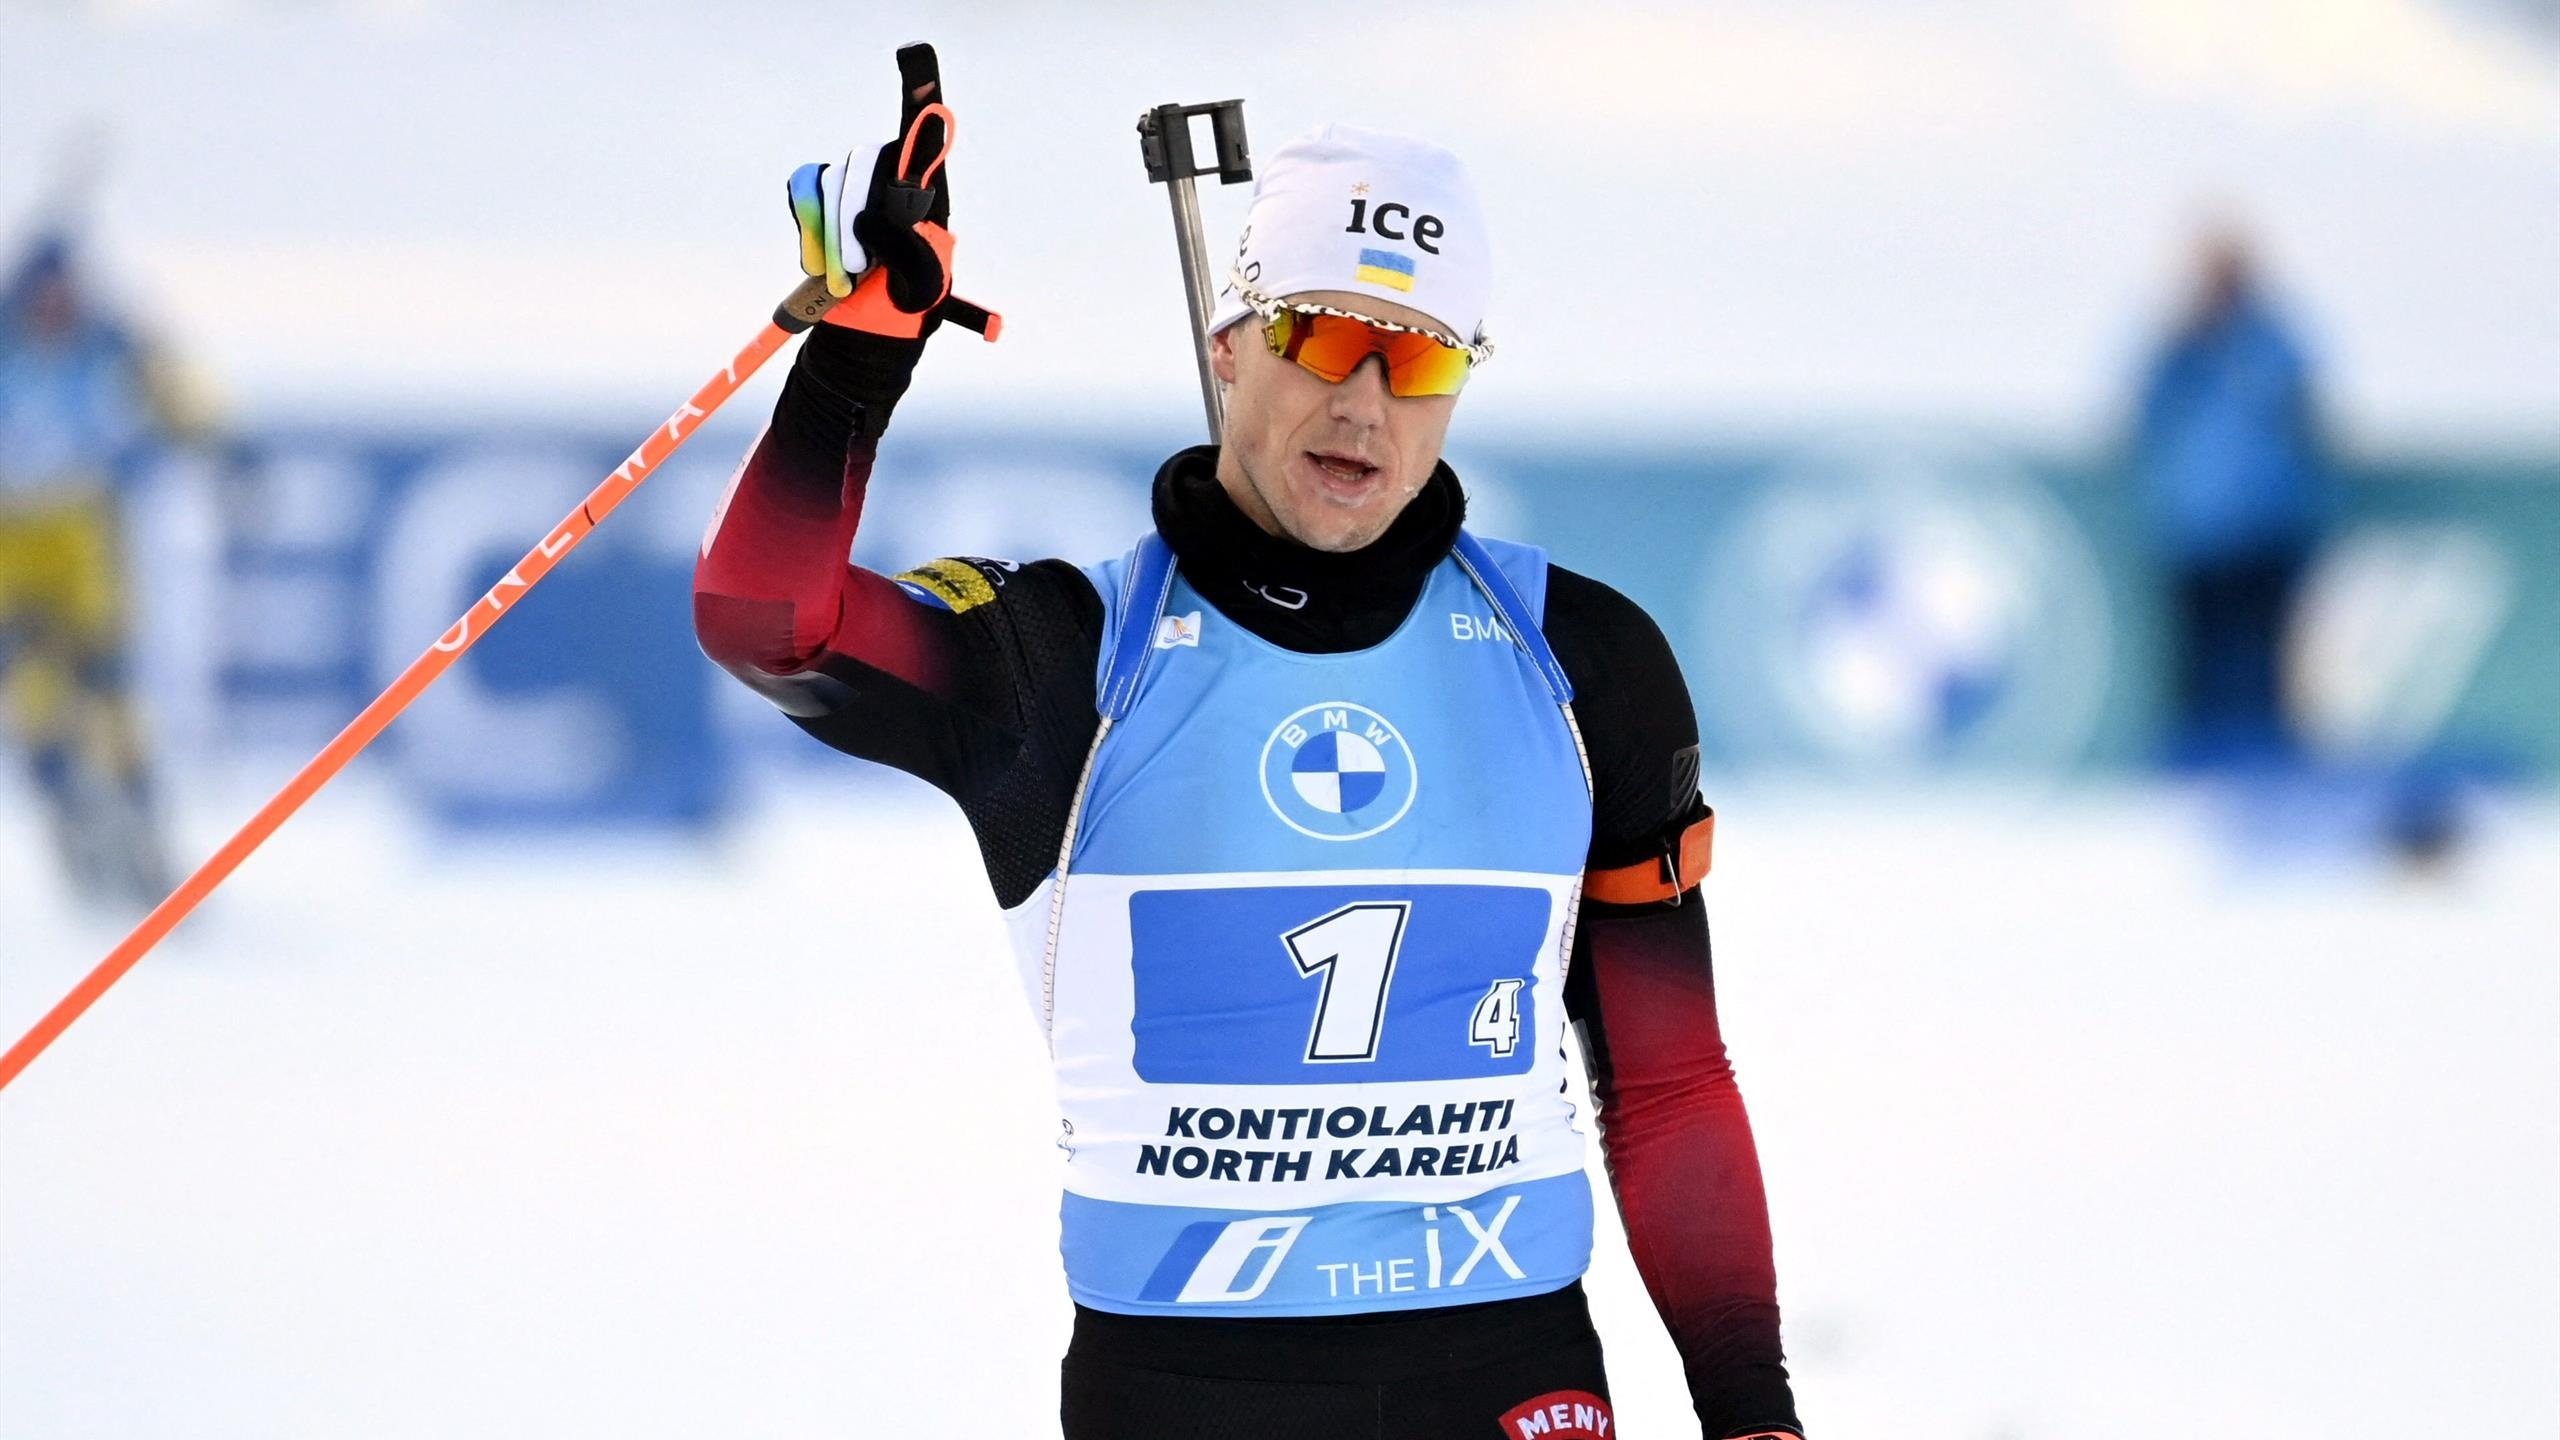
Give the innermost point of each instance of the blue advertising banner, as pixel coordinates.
(1885, 604)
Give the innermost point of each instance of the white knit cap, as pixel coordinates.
(1342, 208)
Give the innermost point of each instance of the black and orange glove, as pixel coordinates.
(885, 250)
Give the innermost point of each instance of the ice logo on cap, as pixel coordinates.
(1391, 221)
(1337, 771)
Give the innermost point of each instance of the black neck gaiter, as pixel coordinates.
(1305, 600)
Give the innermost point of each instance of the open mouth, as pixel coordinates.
(1345, 469)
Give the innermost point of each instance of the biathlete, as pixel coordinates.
(1316, 818)
(84, 407)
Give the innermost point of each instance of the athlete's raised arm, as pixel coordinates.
(923, 671)
(1673, 1130)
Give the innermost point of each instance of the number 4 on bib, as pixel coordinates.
(1496, 1023)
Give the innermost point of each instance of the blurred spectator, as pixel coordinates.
(2228, 454)
(82, 412)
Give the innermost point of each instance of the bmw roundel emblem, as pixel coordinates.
(1337, 771)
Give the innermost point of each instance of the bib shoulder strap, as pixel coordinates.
(1502, 570)
(1146, 580)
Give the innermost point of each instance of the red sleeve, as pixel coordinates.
(1672, 1127)
(974, 676)
(772, 591)
(1678, 1146)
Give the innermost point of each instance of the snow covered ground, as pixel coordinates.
(2070, 1131)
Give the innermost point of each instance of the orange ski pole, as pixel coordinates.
(797, 313)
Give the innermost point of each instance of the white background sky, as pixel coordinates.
(1716, 216)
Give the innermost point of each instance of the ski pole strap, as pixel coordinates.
(972, 317)
(1682, 863)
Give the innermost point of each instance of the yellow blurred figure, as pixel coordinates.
(80, 412)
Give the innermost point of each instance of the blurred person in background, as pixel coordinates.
(84, 408)
(2228, 454)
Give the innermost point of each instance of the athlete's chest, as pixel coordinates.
(1440, 748)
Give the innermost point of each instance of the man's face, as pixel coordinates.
(1329, 466)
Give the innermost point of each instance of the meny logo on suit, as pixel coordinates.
(1560, 1415)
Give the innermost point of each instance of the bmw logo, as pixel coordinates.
(1906, 602)
(1337, 771)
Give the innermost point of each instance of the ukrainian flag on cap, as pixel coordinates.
(1385, 267)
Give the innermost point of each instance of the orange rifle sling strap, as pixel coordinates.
(1664, 877)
